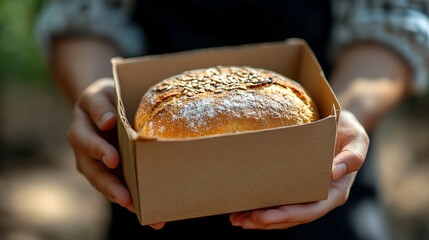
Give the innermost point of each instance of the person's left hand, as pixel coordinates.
(350, 152)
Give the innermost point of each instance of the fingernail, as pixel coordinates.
(339, 171)
(157, 226)
(106, 117)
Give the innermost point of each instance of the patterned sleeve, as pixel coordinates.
(403, 25)
(104, 18)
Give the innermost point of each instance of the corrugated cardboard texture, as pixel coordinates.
(172, 180)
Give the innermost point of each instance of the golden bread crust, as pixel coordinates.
(222, 100)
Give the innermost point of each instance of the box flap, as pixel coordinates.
(319, 90)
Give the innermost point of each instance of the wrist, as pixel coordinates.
(370, 80)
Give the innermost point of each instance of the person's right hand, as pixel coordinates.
(92, 135)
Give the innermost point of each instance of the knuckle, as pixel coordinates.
(106, 82)
(96, 106)
(90, 148)
(94, 148)
(87, 95)
(357, 161)
(71, 136)
(84, 97)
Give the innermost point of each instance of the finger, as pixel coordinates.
(237, 218)
(256, 213)
(85, 140)
(98, 102)
(352, 146)
(157, 226)
(249, 224)
(308, 212)
(251, 221)
(291, 213)
(286, 216)
(346, 162)
(131, 208)
(105, 182)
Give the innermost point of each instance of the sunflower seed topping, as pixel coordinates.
(216, 79)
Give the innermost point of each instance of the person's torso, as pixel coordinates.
(172, 26)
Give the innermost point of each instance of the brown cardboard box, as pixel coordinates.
(178, 179)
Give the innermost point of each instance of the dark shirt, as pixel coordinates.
(173, 25)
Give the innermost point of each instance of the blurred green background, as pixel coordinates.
(20, 57)
(41, 191)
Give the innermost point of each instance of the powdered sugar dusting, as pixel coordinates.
(196, 112)
(252, 105)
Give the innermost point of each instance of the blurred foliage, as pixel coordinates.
(20, 57)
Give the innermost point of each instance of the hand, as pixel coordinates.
(91, 134)
(350, 152)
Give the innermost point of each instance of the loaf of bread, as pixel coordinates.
(222, 100)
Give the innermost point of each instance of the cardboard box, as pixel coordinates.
(178, 179)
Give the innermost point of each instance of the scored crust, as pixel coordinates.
(221, 100)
